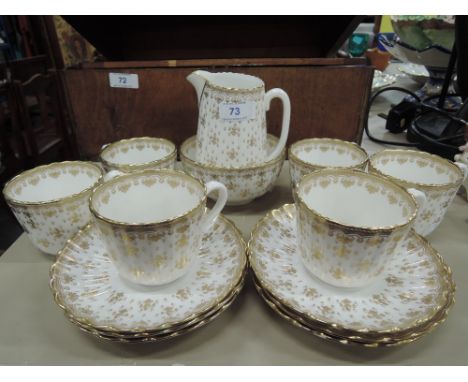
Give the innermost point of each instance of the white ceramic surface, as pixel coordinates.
(350, 224)
(314, 154)
(417, 72)
(411, 291)
(434, 57)
(244, 185)
(382, 79)
(153, 221)
(223, 140)
(437, 177)
(87, 285)
(51, 201)
(136, 154)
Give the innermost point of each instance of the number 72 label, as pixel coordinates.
(242, 110)
(123, 80)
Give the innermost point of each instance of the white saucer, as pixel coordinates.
(415, 286)
(87, 286)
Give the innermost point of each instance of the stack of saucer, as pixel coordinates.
(87, 286)
(409, 299)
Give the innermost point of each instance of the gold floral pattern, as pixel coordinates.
(350, 153)
(132, 309)
(120, 155)
(228, 142)
(155, 253)
(49, 224)
(389, 305)
(438, 196)
(243, 185)
(341, 254)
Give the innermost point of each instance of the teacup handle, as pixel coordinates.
(464, 168)
(283, 96)
(420, 197)
(112, 174)
(211, 216)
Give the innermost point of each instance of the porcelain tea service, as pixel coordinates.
(437, 177)
(232, 131)
(350, 223)
(243, 184)
(51, 201)
(308, 155)
(137, 154)
(409, 299)
(141, 258)
(152, 221)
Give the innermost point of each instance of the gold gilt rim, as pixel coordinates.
(163, 336)
(210, 84)
(349, 145)
(39, 169)
(86, 322)
(134, 225)
(379, 229)
(346, 340)
(227, 301)
(139, 166)
(296, 323)
(420, 154)
(142, 336)
(444, 271)
(411, 334)
(226, 170)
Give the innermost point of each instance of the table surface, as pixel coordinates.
(34, 330)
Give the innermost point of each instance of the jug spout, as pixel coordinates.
(198, 79)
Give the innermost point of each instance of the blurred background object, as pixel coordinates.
(427, 41)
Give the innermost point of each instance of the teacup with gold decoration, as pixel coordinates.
(137, 154)
(152, 222)
(437, 177)
(350, 223)
(308, 155)
(411, 297)
(51, 201)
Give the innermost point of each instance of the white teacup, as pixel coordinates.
(153, 221)
(437, 177)
(137, 154)
(350, 223)
(51, 201)
(308, 155)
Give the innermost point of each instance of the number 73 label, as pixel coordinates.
(242, 110)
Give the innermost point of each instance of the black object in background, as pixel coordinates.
(461, 44)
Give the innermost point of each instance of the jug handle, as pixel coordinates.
(283, 96)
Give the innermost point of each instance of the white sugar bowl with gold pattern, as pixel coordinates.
(244, 185)
(350, 223)
(437, 177)
(137, 154)
(152, 222)
(51, 201)
(314, 154)
(232, 131)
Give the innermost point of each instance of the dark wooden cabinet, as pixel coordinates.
(328, 94)
(328, 98)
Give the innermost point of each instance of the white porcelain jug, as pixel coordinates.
(232, 129)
